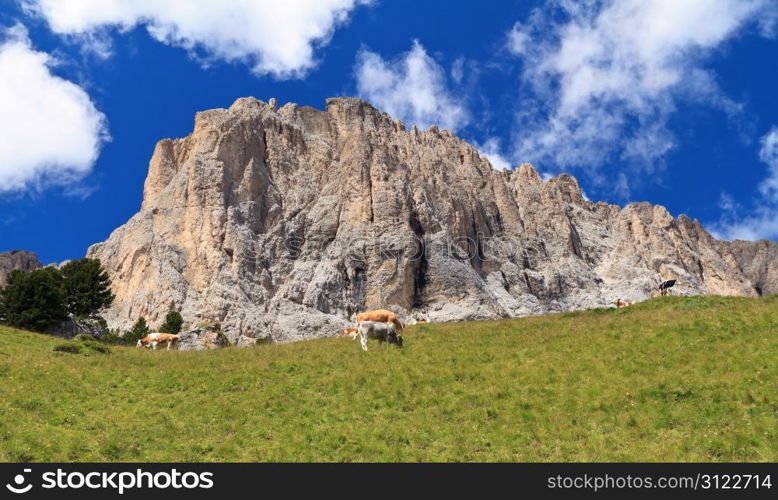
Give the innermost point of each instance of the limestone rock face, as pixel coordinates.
(281, 223)
(17, 260)
(201, 339)
(758, 261)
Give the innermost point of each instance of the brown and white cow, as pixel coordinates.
(349, 332)
(152, 340)
(381, 316)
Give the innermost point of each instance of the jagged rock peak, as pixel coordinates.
(528, 173)
(13, 260)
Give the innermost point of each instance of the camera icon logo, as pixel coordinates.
(19, 481)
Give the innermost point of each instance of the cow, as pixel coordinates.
(383, 332)
(620, 303)
(152, 340)
(665, 286)
(349, 332)
(381, 316)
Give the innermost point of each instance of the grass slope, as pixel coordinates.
(673, 379)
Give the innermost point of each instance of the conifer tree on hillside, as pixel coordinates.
(173, 323)
(139, 330)
(34, 300)
(87, 286)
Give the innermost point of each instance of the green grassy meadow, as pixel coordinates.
(672, 379)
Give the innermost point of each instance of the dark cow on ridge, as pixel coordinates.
(666, 285)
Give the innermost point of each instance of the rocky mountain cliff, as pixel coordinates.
(282, 223)
(758, 260)
(17, 260)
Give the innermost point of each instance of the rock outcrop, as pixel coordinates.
(758, 260)
(93, 327)
(280, 224)
(17, 260)
(202, 339)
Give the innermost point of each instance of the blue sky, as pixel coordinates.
(656, 100)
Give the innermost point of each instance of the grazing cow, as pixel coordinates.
(622, 303)
(152, 340)
(381, 316)
(665, 286)
(383, 332)
(349, 332)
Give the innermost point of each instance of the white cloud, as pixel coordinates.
(412, 88)
(491, 150)
(52, 132)
(600, 84)
(768, 153)
(458, 70)
(273, 37)
(622, 189)
(518, 39)
(763, 222)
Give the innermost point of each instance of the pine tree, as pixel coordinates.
(87, 286)
(34, 300)
(173, 323)
(139, 330)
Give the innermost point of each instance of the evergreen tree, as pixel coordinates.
(87, 286)
(173, 323)
(34, 300)
(139, 330)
